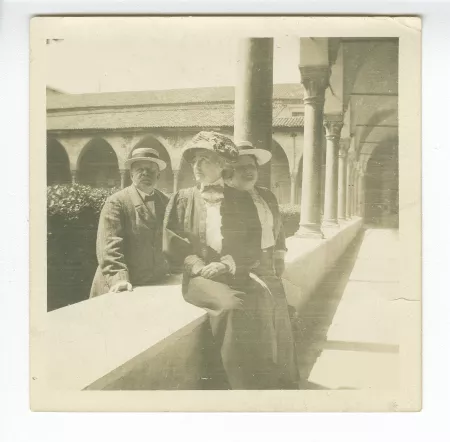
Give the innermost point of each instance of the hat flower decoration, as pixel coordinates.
(215, 142)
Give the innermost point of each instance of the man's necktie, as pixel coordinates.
(149, 197)
(213, 188)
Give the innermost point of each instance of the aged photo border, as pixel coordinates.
(408, 302)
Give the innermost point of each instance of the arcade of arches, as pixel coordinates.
(381, 187)
(341, 162)
(58, 169)
(97, 165)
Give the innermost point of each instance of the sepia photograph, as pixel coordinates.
(225, 214)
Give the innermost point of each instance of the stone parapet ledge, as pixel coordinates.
(309, 259)
(108, 341)
(150, 338)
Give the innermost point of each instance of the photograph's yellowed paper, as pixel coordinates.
(288, 281)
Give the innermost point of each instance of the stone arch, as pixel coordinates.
(377, 118)
(167, 143)
(355, 56)
(98, 165)
(292, 146)
(374, 70)
(165, 182)
(58, 165)
(280, 177)
(382, 185)
(379, 71)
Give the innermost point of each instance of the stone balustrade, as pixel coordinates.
(150, 338)
(309, 259)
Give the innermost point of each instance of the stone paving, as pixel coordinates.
(346, 334)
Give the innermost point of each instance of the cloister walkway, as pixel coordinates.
(346, 335)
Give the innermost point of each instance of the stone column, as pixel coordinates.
(361, 205)
(294, 173)
(253, 97)
(315, 81)
(333, 134)
(293, 199)
(342, 186)
(123, 174)
(348, 209)
(176, 173)
(356, 190)
(73, 174)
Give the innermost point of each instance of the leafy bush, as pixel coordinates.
(290, 215)
(288, 210)
(72, 220)
(71, 202)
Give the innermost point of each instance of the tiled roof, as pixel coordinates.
(289, 122)
(289, 91)
(218, 115)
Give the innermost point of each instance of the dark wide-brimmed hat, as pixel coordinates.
(213, 142)
(145, 154)
(246, 148)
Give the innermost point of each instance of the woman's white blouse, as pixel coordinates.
(213, 226)
(214, 220)
(265, 218)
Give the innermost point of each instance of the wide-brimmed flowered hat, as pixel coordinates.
(246, 148)
(145, 154)
(214, 142)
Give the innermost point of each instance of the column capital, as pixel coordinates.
(315, 79)
(333, 129)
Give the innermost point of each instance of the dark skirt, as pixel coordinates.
(286, 356)
(243, 324)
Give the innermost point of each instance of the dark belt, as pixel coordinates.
(267, 252)
(266, 261)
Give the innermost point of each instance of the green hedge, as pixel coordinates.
(71, 202)
(290, 214)
(72, 220)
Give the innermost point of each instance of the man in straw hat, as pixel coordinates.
(212, 235)
(129, 238)
(244, 176)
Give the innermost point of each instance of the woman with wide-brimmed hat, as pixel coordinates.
(213, 233)
(243, 176)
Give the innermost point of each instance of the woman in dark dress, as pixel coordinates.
(212, 232)
(272, 244)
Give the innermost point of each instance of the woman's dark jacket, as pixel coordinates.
(184, 235)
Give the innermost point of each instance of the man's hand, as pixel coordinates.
(121, 286)
(213, 269)
(279, 267)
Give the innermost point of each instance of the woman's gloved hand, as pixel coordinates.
(213, 269)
